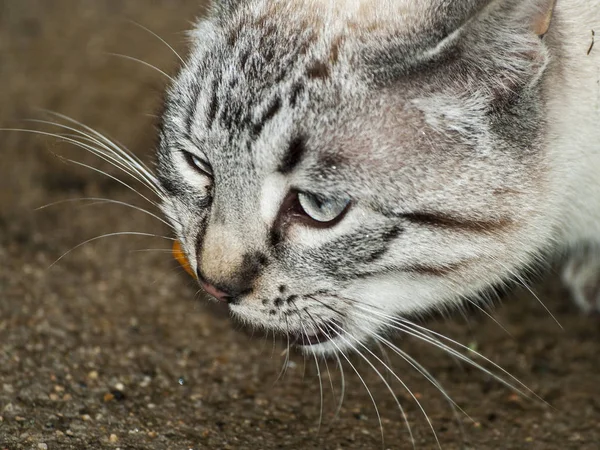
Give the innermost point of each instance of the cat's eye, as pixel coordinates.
(325, 211)
(198, 164)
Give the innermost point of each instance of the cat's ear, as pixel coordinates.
(532, 15)
(542, 16)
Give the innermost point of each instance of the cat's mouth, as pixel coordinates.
(324, 333)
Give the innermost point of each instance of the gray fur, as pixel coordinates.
(433, 122)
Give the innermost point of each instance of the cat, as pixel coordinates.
(332, 167)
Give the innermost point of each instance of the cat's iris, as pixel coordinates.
(322, 210)
(199, 164)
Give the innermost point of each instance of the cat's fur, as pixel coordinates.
(468, 144)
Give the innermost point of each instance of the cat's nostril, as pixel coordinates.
(215, 292)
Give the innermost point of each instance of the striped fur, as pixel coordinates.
(440, 121)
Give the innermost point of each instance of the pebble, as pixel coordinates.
(93, 375)
(42, 446)
(113, 438)
(120, 386)
(86, 418)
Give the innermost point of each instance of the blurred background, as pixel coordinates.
(113, 347)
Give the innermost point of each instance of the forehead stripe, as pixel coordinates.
(294, 155)
(271, 111)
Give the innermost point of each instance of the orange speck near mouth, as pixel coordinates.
(181, 258)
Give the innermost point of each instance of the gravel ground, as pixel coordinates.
(112, 347)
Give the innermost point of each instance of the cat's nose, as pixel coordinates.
(217, 293)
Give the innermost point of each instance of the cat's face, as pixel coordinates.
(331, 174)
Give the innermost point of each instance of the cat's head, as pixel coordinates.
(330, 164)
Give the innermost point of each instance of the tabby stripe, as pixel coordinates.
(442, 220)
(213, 106)
(269, 114)
(295, 152)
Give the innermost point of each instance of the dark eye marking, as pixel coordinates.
(442, 220)
(169, 183)
(295, 152)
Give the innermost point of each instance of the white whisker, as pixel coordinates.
(121, 233)
(423, 333)
(161, 40)
(80, 144)
(320, 385)
(387, 385)
(340, 352)
(99, 200)
(526, 286)
(428, 376)
(342, 387)
(120, 148)
(119, 159)
(147, 64)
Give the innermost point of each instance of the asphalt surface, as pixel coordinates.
(112, 347)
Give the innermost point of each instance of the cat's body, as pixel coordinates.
(330, 166)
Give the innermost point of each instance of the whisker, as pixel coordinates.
(329, 376)
(119, 159)
(147, 64)
(161, 40)
(324, 359)
(152, 250)
(490, 316)
(340, 352)
(100, 200)
(402, 412)
(320, 385)
(120, 233)
(44, 133)
(526, 286)
(287, 352)
(112, 177)
(120, 148)
(429, 336)
(342, 388)
(426, 374)
(416, 331)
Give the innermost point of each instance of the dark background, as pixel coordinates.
(113, 341)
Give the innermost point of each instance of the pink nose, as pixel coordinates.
(216, 293)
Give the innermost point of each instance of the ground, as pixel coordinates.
(112, 347)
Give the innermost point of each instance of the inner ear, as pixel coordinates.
(539, 13)
(542, 17)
